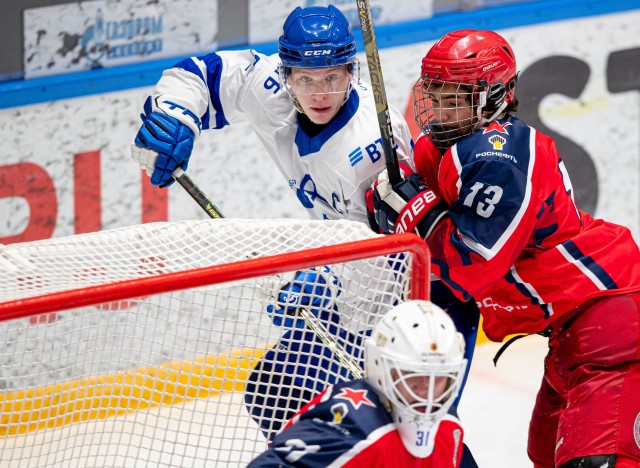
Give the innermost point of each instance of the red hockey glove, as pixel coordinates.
(407, 206)
(371, 216)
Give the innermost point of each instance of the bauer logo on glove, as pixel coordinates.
(408, 206)
(414, 210)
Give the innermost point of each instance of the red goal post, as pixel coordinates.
(139, 343)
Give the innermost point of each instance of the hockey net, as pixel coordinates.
(152, 346)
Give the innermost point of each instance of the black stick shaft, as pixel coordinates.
(198, 195)
(379, 93)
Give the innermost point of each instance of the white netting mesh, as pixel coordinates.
(162, 379)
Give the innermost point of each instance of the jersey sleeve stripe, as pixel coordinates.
(212, 66)
(527, 290)
(456, 161)
(587, 266)
(373, 437)
(446, 277)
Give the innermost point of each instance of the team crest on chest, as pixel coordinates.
(356, 397)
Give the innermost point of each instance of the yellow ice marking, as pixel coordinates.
(103, 396)
(481, 338)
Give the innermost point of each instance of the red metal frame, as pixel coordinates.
(251, 268)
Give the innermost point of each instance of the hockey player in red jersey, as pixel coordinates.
(398, 415)
(494, 202)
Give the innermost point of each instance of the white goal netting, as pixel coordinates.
(153, 345)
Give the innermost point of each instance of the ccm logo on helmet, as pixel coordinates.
(313, 53)
(414, 210)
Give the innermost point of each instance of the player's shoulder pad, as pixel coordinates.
(249, 62)
(352, 407)
(506, 141)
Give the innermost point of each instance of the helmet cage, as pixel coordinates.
(460, 122)
(479, 59)
(423, 409)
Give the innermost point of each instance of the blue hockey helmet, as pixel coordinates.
(316, 37)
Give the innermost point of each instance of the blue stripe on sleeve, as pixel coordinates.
(214, 72)
(444, 276)
(535, 300)
(586, 262)
(213, 64)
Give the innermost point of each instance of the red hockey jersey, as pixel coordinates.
(515, 240)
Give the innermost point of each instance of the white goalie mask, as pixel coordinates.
(415, 360)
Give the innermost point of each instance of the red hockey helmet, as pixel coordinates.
(476, 58)
(481, 61)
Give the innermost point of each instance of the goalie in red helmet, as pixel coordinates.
(494, 201)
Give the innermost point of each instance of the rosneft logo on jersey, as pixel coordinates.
(497, 142)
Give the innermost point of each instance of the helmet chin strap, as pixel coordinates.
(500, 110)
(347, 92)
(296, 104)
(482, 120)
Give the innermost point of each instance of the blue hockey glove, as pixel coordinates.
(408, 206)
(315, 290)
(162, 144)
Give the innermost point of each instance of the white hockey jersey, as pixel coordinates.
(329, 172)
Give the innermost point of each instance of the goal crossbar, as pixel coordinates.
(168, 282)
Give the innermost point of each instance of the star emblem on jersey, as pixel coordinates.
(356, 397)
(497, 127)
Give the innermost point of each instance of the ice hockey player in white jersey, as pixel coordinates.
(398, 415)
(318, 123)
(307, 105)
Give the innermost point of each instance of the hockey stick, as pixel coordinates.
(198, 195)
(311, 321)
(379, 93)
(314, 324)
